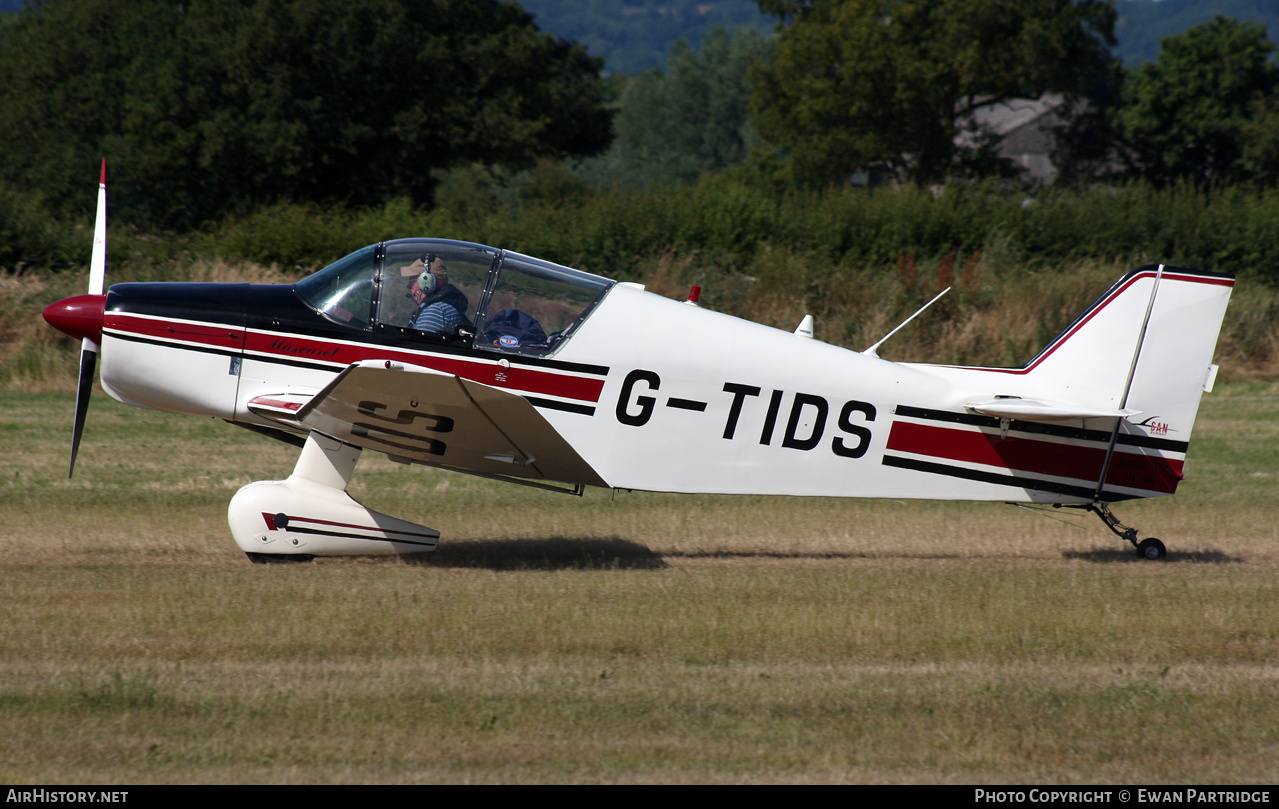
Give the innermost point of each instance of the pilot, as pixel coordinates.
(440, 306)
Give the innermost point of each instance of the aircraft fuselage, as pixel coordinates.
(653, 394)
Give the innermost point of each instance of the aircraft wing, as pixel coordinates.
(425, 416)
(1043, 410)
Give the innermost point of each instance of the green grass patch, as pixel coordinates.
(636, 638)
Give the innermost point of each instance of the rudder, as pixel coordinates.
(1146, 344)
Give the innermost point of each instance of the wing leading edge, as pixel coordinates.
(428, 417)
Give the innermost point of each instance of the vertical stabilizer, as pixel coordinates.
(1146, 345)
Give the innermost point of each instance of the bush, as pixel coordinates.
(303, 235)
(728, 218)
(29, 234)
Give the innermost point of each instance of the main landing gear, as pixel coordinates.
(309, 514)
(1148, 548)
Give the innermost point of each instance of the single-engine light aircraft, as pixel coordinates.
(485, 361)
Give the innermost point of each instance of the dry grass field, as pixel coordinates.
(636, 638)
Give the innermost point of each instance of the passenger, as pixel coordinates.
(441, 307)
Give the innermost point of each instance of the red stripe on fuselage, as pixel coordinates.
(208, 334)
(1127, 469)
(585, 389)
(341, 354)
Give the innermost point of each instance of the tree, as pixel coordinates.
(212, 106)
(886, 85)
(1260, 138)
(691, 119)
(1190, 115)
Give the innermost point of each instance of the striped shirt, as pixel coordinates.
(439, 318)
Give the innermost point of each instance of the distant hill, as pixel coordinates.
(636, 35)
(1143, 23)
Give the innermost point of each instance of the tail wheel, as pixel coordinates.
(1152, 549)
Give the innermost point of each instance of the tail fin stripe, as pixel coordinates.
(1029, 456)
(1055, 430)
(1015, 481)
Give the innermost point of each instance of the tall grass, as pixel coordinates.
(998, 313)
(859, 260)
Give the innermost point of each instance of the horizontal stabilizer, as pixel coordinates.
(1043, 410)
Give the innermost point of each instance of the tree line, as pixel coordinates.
(211, 107)
(216, 108)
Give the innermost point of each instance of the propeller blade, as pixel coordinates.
(89, 348)
(88, 362)
(98, 262)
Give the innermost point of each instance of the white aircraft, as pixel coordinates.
(535, 373)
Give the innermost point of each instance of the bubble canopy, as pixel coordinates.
(504, 301)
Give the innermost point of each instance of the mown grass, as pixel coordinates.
(641, 638)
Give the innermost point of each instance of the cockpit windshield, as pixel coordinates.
(343, 290)
(436, 289)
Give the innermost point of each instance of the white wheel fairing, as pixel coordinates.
(319, 521)
(310, 513)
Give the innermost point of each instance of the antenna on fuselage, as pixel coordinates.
(871, 352)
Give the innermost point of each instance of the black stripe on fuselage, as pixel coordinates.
(1036, 428)
(536, 401)
(1014, 481)
(276, 310)
(212, 304)
(276, 359)
(567, 407)
(200, 348)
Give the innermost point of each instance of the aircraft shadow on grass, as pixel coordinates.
(608, 553)
(616, 553)
(1109, 555)
(549, 553)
